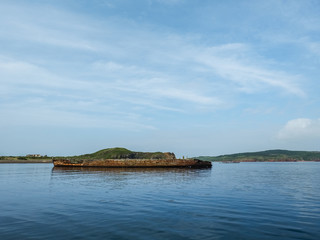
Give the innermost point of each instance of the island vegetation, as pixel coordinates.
(123, 153)
(109, 153)
(266, 156)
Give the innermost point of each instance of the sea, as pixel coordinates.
(229, 201)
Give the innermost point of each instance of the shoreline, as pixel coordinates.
(255, 161)
(26, 161)
(50, 161)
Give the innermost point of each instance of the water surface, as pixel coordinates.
(229, 201)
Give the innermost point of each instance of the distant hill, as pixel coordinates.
(122, 153)
(266, 156)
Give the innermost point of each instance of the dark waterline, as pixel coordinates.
(229, 201)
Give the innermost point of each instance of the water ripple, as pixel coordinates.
(229, 201)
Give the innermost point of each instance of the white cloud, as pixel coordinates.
(38, 112)
(175, 54)
(300, 128)
(55, 28)
(186, 95)
(312, 46)
(108, 66)
(244, 71)
(118, 64)
(21, 75)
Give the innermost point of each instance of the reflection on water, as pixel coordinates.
(133, 176)
(184, 173)
(229, 201)
(128, 170)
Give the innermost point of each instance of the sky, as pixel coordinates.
(190, 77)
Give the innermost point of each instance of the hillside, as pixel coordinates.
(266, 156)
(122, 153)
(109, 153)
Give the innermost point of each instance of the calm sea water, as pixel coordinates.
(229, 201)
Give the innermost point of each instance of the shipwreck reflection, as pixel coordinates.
(120, 170)
(131, 176)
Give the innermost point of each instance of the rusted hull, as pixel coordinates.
(134, 163)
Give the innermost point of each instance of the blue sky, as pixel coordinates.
(190, 77)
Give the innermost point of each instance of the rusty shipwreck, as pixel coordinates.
(123, 158)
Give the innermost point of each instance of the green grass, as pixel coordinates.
(269, 155)
(109, 153)
(120, 153)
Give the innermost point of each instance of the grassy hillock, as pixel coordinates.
(265, 156)
(109, 153)
(123, 153)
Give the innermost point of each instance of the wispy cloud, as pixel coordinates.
(56, 27)
(129, 66)
(40, 116)
(300, 128)
(246, 73)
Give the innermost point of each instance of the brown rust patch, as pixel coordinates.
(128, 163)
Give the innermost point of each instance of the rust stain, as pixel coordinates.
(131, 163)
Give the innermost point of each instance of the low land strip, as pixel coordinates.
(266, 156)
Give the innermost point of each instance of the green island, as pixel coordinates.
(109, 153)
(123, 153)
(265, 156)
